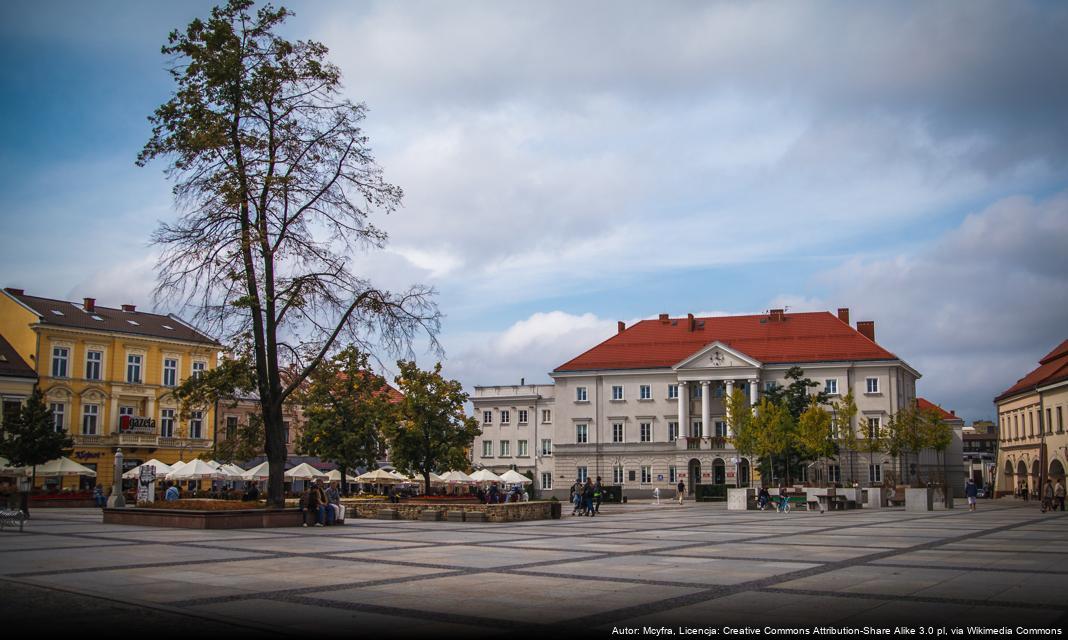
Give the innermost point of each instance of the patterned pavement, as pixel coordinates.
(631, 567)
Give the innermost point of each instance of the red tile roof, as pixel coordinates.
(924, 403)
(1053, 367)
(11, 363)
(797, 337)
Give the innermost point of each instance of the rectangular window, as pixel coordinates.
(695, 429)
(506, 417)
(673, 392)
(546, 447)
(487, 417)
(769, 385)
(721, 429)
(93, 363)
(580, 394)
(617, 432)
(133, 368)
(617, 474)
(198, 369)
(871, 385)
(170, 372)
(647, 475)
(90, 413)
(125, 411)
(697, 390)
(830, 386)
(285, 431)
(521, 449)
(546, 480)
(60, 355)
(196, 425)
(834, 473)
(58, 417)
(1060, 421)
(582, 433)
(1049, 420)
(546, 416)
(231, 427)
(522, 416)
(673, 431)
(875, 473)
(617, 392)
(645, 392)
(166, 423)
(672, 474)
(580, 474)
(487, 448)
(506, 446)
(645, 430)
(874, 427)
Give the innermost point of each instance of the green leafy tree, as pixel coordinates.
(814, 433)
(346, 411)
(773, 430)
(433, 433)
(795, 397)
(937, 436)
(232, 379)
(740, 419)
(843, 412)
(276, 183)
(31, 438)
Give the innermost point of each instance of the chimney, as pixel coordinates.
(690, 323)
(522, 382)
(621, 326)
(664, 318)
(129, 308)
(867, 329)
(776, 315)
(90, 305)
(843, 314)
(15, 292)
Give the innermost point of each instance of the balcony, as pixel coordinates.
(138, 440)
(81, 440)
(184, 443)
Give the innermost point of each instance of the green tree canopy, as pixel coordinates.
(31, 438)
(346, 411)
(433, 433)
(234, 378)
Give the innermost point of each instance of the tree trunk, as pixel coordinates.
(344, 479)
(275, 448)
(426, 483)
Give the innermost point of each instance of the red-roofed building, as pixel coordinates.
(644, 408)
(1033, 445)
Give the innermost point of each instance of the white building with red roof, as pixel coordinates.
(644, 408)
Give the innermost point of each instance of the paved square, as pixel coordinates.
(694, 565)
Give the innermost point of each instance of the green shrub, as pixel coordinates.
(710, 492)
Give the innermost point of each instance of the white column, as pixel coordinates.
(706, 410)
(684, 410)
(727, 405)
(753, 392)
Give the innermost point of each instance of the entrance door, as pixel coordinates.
(743, 473)
(719, 471)
(695, 474)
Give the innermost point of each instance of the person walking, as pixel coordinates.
(1058, 494)
(1047, 496)
(971, 491)
(98, 496)
(681, 490)
(656, 494)
(172, 493)
(587, 498)
(598, 494)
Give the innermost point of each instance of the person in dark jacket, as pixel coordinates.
(971, 491)
(598, 495)
(587, 498)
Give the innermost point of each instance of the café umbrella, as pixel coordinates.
(456, 476)
(514, 477)
(9, 471)
(304, 471)
(162, 469)
(335, 476)
(259, 472)
(485, 475)
(63, 467)
(196, 470)
(378, 476)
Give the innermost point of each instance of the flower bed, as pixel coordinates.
(205, 505)
(198, 517)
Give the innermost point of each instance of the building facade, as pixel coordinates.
(1032, 442)
(517, 431)
(644, 409)
(17, 380)
(980, 441)
(109, 376)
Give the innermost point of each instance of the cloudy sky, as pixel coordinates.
(570, 164)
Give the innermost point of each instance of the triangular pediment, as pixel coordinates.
(717, 356)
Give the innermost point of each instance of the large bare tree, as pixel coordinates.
(275, 182)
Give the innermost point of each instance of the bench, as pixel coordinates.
(9, 518)
(897, 499)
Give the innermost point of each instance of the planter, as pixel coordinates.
(192, 519)
(739, 499)
(919, 499)
(555, 509)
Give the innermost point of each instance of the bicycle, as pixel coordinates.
(784, 504)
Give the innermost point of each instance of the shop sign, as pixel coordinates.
(137, 424)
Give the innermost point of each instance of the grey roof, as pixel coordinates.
(11, 363)
(61, 313)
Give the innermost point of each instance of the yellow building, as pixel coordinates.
(109, 375)
(17, 380)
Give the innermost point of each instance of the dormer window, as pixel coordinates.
(97, 318)
(56, 312)
(134, 323)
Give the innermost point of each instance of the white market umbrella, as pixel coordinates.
(162, 469)
(259, 472)
(7, 470)
(378, 476)
(514, 477)
(304, 471)
(63, 467)
(235, 472)
(485, 475)
(456, 476)
(335, 476)
(196, 470)
(177, 465)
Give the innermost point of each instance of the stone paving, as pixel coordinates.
(632, 566)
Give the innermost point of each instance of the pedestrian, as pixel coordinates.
(971, 491)
(576, 497)
(333, 503)
(317, 504)
(1058, 494)
(1047, 496)
(172, 493)
(681, 490)
(598, 493)
(98, 495)
(656, 494)
(762, 498)
(587, 498)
